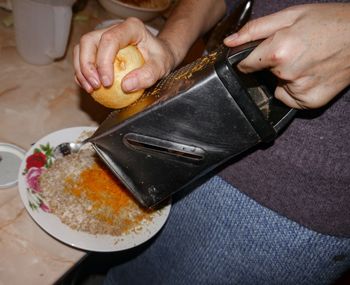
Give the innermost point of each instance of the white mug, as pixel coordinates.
(42, 29)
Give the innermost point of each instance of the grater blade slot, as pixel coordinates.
(152, 145)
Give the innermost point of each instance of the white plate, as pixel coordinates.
(37, 208)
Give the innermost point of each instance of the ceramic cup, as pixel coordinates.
(42, 29)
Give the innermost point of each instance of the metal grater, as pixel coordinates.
(190, 123)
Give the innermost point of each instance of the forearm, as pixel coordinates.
(189, 20)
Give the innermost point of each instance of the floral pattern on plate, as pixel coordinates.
(36, 164)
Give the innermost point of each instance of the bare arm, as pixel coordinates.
(190, 19)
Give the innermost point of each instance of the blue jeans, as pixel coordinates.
(217, 235)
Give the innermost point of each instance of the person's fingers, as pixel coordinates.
(308, 98)
(260, 58)
(131, 31)
(79, 77)
(284, 96)
(140, 78)
(87, 53)
(77, 81)
(262, 28)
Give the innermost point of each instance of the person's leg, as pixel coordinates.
(217, 235)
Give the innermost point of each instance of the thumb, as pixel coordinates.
(140, 78)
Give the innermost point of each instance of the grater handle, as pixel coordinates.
(284, 113)
(279, 114)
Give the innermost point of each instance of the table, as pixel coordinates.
(35, 101)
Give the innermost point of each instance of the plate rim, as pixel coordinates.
(123, 245)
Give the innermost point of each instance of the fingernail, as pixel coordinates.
(87, 87)
(129, 84)
(94, 82)
(106, 81)
(231, 37)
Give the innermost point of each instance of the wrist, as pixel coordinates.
(174, 57)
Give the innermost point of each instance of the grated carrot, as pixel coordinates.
(109, 198)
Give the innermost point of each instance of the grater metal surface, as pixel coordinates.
(187, 125)
(166, 88)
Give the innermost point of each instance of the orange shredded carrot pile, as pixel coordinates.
(108, 196)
